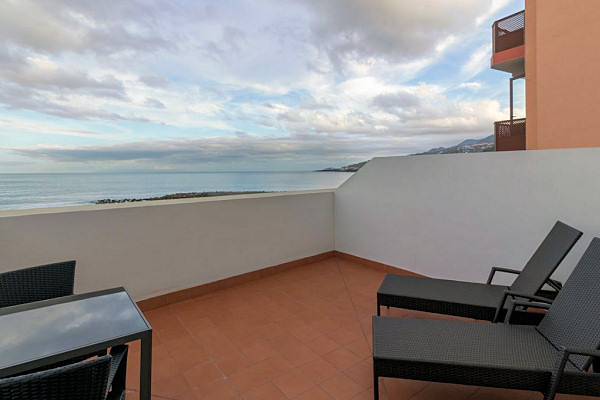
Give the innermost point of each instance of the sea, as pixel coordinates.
(23, 191)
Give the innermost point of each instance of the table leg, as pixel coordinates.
(146, 367)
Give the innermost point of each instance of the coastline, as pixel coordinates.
(176, 196)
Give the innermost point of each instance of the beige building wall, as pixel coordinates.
(562, 65)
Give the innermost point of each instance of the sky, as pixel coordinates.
(238, 85)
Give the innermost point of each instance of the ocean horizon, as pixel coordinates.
(40, 190)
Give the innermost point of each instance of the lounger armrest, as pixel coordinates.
(527, 303)
(538, 299)
(554, 284)
(580, 352)
(561, 363)
(501, 269)
(517, 300)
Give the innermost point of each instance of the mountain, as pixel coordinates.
(347, 168)
(466, 146)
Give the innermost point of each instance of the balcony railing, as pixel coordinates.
(509, 32)
(510, 135)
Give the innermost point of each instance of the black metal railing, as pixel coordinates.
(510, 135)
(509, 32)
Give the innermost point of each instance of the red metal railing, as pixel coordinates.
(509, 32)
(510, 135)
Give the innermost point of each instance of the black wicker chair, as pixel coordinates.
(37, 283)
(553, 357)
(102, 378)
(479, 300)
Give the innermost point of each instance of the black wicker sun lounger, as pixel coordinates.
(481, 300)
(553, 357)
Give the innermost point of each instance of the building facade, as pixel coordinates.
(553, 45)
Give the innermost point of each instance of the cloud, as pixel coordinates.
(398, 31)
(316, 137)
(478, 62)
(394, 101)
(340, 78)
(15, 97)
(219, 150)
(154, 103)
(471, 85)
(41, 73)
(55, 26)
(154, 81)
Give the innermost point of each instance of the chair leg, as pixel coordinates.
(549, 396)
(375, 386)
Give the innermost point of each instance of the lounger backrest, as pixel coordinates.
(573, 320)
(37, 283)
(546, 258)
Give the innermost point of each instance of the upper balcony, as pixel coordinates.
(509, 44)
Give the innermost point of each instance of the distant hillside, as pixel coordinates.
(467, 146)
(347, 168)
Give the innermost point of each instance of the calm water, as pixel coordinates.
(19, 191)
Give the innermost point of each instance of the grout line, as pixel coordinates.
(381, 382)
(350, 296)
(356, 314)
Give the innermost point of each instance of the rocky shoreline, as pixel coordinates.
(175, 196)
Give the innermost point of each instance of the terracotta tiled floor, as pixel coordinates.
(302, 334)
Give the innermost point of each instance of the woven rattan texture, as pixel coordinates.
(37, 283)
(573, 321)
(557, 244)
(81, 381)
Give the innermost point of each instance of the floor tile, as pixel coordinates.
(247, 379)
(201, 374)
(322, 345)
(342, 358)
(316, 393)
(293, 383)
(319, 370)
(341, 387)
(264, 392)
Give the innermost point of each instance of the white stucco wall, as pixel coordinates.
(455, 216)
(159, 247)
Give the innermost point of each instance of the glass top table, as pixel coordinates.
(37, 334)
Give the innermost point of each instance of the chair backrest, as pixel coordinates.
(87, 380)
(37, 283)
(573, 320)
(546, 258)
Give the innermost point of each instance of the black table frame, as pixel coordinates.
(145, 337)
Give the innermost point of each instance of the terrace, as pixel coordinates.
(270, 296)
(300, 334)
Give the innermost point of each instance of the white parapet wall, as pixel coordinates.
(456, 216)
(158, 247)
